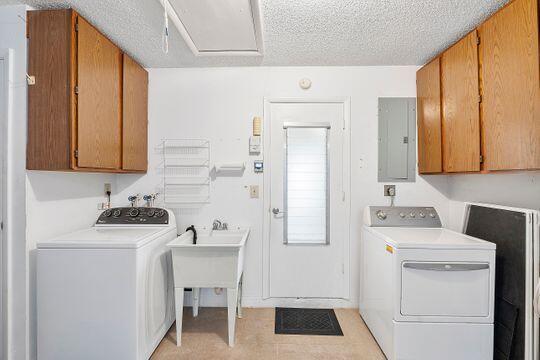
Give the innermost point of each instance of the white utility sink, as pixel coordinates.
(215, 261)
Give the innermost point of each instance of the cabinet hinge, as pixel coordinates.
(479, 98)
(76, 26)
(76, 153)
(481, 159)
(76, 90)
(477, 40)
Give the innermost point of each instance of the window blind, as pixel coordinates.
(306, 185)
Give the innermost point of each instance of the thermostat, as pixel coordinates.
(258, 166)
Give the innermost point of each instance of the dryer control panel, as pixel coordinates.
(134, 216)
(402, 216)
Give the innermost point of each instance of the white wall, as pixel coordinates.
(517, 189)
(219, 104)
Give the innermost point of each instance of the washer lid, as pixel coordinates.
(430, 238)
(105, 237)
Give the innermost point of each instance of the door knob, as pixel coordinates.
(275, 211)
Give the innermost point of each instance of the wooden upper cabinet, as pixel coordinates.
(428, 85)
(99, 121)
(135, 115)
(75, 108)
(460, 106)
(511, 88)
(50, 99)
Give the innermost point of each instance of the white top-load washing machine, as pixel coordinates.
(106, 292)
(425, 292)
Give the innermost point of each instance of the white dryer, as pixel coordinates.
(425, 292)
(106, 292)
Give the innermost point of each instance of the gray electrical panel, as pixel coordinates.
(397, 139)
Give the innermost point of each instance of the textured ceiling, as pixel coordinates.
(298, 32)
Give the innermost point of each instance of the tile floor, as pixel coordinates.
(205, 337)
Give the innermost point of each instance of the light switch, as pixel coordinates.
(254, 191)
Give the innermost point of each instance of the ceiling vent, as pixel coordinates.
(218, 27)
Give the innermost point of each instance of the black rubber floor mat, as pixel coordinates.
(307, 322)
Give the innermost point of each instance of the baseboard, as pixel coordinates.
(209, 299)
(296, 302)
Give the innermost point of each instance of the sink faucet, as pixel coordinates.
(218, 225)
(192, 228)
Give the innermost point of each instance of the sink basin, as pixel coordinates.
(217, 260)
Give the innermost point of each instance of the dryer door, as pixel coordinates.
(445, 288)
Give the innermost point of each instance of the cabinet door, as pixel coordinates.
(460, 106)
(49, 43)
(511, 88)
(99, 69)
(135, 115)
(428, 87)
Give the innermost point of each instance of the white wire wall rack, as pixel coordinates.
(186, 172)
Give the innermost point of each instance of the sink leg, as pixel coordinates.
(239, 301)
(196, 299)
(231, 318)
(179, 307)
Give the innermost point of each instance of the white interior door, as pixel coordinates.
(308, 221)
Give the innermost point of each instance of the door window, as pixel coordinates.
(306, 195)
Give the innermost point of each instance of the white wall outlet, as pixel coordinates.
(389, 190)
(362, 163)
(107, 187)
(254, 191)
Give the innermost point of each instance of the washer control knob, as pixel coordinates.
(402, 215)
(117, 213)
(133, 212)
(412, 214)
(107, 213)
(381, 215)
(432, 215)
(151, 212)
(160, 213)
(422, 215)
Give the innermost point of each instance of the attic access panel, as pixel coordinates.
(222, 27)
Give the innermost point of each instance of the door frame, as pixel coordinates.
(346, 102)
(6, 55)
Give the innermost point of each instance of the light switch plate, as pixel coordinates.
(254, 191)
(255, 145)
